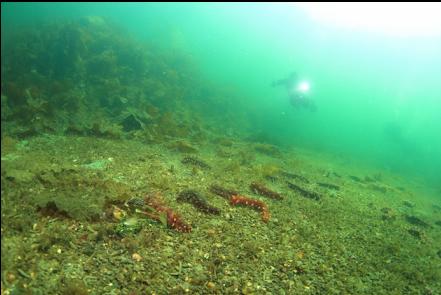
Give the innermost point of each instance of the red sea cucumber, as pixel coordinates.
(174, 220)
(256, 204)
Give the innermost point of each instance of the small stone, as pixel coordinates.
(136, 257)
(10, 277)
(211, 232)
(210, 285)
(118, 214)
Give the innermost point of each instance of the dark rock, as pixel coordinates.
(416, 221)
(417, 234)
(388, 214)
(131, 123)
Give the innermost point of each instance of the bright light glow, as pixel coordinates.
(391, 18)
(303, 86)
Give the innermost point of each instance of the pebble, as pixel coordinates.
(210, 285)
(136, 257)
(10, 278)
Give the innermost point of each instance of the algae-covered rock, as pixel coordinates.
(78, 194)
(268, 169)
(182, 146)
(99, 164)
(66, 76)
(128, 226)
(18, 175)
(267, 149)
(223, 141)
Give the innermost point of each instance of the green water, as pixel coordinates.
(107, 105)
(361, 82)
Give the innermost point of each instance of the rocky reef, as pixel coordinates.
(90, 77)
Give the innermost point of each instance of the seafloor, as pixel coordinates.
(124, 171)
(68, 226)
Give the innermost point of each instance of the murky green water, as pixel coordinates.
(216, 80)
(378, 95)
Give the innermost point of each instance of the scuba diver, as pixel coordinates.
(297, 92)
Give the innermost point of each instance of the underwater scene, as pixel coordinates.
(220, 148)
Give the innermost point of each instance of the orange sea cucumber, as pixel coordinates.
(174, 220)
(256, 204)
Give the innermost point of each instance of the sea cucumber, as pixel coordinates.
(220, 191)
(294, 176)
(416, 221)
(256, 204)
(303, 192)
(192, 197)
(260, 189)
(329, 185)
(195, 162)
(174, 220)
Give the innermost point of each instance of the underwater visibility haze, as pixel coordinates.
(220, 148)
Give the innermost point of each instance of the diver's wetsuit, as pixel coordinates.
(297, 98)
